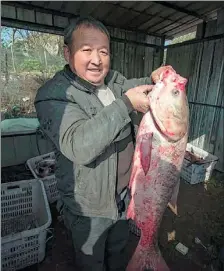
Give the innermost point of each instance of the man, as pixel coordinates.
(90, 114)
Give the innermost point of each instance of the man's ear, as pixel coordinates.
(66, 53)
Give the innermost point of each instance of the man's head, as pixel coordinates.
(87, 49)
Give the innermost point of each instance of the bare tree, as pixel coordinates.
(12, 47)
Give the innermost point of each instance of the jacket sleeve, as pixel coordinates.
(79, 138)
(135, 82)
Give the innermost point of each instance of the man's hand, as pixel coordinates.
(138, 97)
(156, 74)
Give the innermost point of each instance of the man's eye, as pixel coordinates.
(86, 50)
(104, 53)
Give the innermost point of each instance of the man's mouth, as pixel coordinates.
(94, 70)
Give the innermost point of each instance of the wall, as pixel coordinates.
(202, 63)
(134, 60)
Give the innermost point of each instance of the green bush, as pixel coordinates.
(31, 65)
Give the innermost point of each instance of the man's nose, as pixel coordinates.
(95, 58)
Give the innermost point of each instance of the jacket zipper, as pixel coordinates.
(114, 188)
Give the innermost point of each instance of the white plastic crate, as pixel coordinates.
(197, 173)
(25, 219)
(50, 182)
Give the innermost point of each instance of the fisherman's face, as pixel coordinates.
(89, 54)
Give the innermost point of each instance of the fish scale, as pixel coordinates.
(159, 153)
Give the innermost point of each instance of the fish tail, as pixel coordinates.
(147, 259)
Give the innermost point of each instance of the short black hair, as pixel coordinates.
(83, 21)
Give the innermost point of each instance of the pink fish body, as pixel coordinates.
(159, 153)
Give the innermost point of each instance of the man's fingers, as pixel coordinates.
(143, 108)
(138, 97)
(150, 87)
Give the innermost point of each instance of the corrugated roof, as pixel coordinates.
(163, 18)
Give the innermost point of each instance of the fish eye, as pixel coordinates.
(175, 92)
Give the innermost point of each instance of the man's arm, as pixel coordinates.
(79, 138)
(134, 82)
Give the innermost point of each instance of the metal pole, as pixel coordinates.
(215, 37)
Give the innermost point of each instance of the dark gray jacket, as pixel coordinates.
(85, 134)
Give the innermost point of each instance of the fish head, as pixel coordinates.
(169, 105)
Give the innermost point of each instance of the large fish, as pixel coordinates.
(159, 153)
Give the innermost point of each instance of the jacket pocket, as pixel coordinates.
(83, 179)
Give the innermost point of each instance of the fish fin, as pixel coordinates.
(145, 151)
(173, 201)
(130, 210)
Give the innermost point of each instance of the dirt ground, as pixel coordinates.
(200, 214)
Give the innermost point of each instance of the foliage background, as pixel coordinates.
(28, 59)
